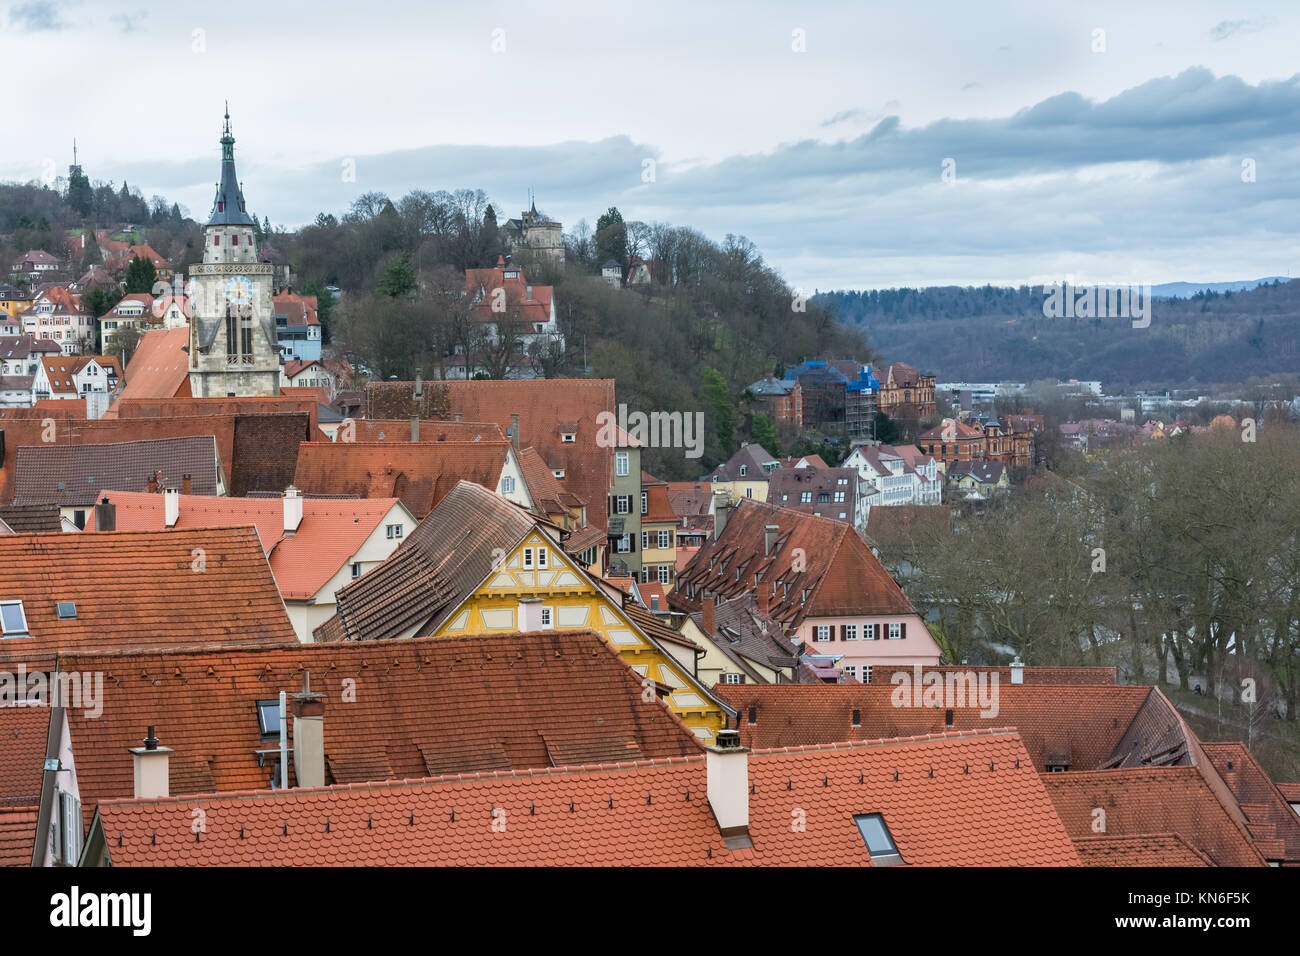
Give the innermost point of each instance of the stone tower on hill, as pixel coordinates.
(233, 349)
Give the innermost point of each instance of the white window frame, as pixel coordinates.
(645, 540)
(665, 538)
(622, 504)
(548, 617)
(850, 632)
(7, 632)
(895, 631)
(822, 633)
(664, 574)
(850, 670)
(543, 559)
(508, 485)
(622, 463)
(527, 564)
(733, 678)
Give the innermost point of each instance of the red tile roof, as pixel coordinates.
(542, 405)
(523, 302)
(1092, 676)
(1272, 821)
(159, 368)
(1086, 724)
(140, 589)
(24, 736)
(330, 534)
(658, 508)
(420, 473)
(422, 706)
(17, 835)
(934, 793)
(840, 573)
(431, 429)
(1144, 849)
(1152, 800)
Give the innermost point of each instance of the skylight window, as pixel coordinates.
(879, 841)
(268, 717)
(13, 622)
(66, 610)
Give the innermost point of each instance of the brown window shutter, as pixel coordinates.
(844, 630)
(902, 631)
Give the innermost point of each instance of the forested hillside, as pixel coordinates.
(994, 334)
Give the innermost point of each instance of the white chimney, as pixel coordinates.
(1017, 671)
(171, 506)
(727, 768)
(292, 509)
(151, 768)
(309, 736)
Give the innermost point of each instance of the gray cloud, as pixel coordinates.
(128, 22)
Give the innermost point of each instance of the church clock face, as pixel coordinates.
(239, 293)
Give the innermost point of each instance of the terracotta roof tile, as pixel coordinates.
(1086, 723)
(1145, 849)
(1152, 800)
(934, 794)
(421, 707)
(541, 406)
(140, 589)
(420, 473)
(159, 366)
(24, 733)
(17, 835)
(1263, 802)
(329, 535)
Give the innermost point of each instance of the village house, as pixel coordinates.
(13, 303)
(830, 492)
(978, 480)
(905, 393)
(76, 376)
(314, 545)
(896, 475)
(781, 399)
(41, 822)
(745, 474)
(817, 578)
(35, 264)
(480, 565)
(742, 645)
(297, 327)
(859, 799)
(71, 476)
(58, 315)
(658, 534)
(509, 307)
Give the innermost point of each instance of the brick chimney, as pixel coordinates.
(514, 430)
(727, 770)
(171, 507)
(415, 428)
(152, 485)
(105, 515)
(308, 735)
(292, 510)
(151, 763)
(187, 485)
(721, 505)
(763, 597)
(706, 614)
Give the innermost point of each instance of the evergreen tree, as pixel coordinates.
(719, 409)
(764, 433)
(140, 276)
(399, 278)
(611, 238)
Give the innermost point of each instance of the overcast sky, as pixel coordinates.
(1118, 164)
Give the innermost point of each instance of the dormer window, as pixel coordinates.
(743, 469)
(221, 206)
(879, 841)
(568, 438)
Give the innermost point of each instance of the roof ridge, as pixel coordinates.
(891, 741)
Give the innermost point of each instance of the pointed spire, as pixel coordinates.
(228, 206)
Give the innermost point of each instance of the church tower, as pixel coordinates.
(233, 347)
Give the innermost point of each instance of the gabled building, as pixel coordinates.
(978, 479)
(780, 398)
(745, 474)
(828, 492)
(34, 264)
(741, 645)
(297, 327)
(76, 376)
(858, 801)
(59, 316)
(314, 545)
(129, 590)
(814, 576)
(40, 803)
(421, 473)
(893, 476)
(905, 393)
(480, 565)
(508, 305)
(658, 534)
(72, 476)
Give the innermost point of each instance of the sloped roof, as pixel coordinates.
(449, 554)
(753, 456)
(630, 814)
(31, 519)
(544, 488)
(420, 473)
(73, 474)
(1142, 849)
(745, 636)
(159, 366)
(840, 572)
(141, 589)
(1085, 723)
(1153, 800)
(422, 707)
(330, 533)
(658, 507)
(25, 732)
(690, 497)
(1273, 823)
(1093, 676)
(431, 429)
(985, 472)
(18, 834)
